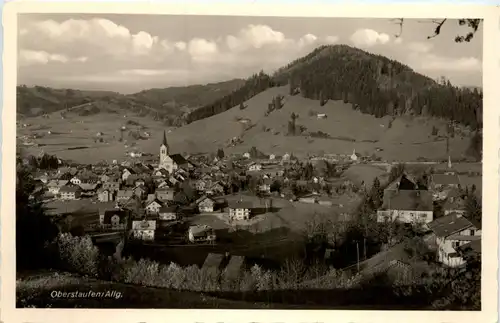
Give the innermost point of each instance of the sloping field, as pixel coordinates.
(406, 139)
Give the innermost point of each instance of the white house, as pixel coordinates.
(125, 174)
(70, 192)
(239, 210)
(407, 206)
(167, 213)
(205, 204)
(75, 180)
(144, 229)
(246, 155)
(201, 233)
(153, 207)
(453, 231)
(254, 167)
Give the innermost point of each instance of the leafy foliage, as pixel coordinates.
(34, 229)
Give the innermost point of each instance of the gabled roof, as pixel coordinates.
(442, 179)
(125, 193)
(123, 214)
(203, 198)
(240, 205)
(70, 189)
(178, 159)
(168, 209)
(450, 224)
(407, 200)
(154, 201)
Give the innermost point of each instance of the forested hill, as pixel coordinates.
(378, 85)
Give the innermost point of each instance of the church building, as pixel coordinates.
(170, 162)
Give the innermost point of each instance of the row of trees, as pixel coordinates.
(253, 86)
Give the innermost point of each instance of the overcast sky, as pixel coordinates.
(128, 53)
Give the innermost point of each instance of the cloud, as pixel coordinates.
(368, 37)
(434, 62)
(420, 47)
(254, 36)
(86, 36)
(199, 48)
(331, 39)
(32, 57)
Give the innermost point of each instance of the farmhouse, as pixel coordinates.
(116, 219)
(144, 229)
(76, 180)
(406, 206)
(55, 185)
(253, 167)
(201, 233)
(168, 213)
(239, 210)
(111, 185)
(105, 195)
(452, 232)
(153, 207)
(70, 192)
(124, 195)
(165, 194)
(454, 203)
(140, 191)
(205, 204)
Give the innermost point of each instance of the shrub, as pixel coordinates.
(78, 254)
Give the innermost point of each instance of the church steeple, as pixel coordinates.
(165, 139)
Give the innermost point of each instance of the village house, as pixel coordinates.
(70, 192)
(111, 186)
(161, 173)
(454, 203)
(126, 173)
(144, 229)
(167, 213)
(453, 231)
(140, 182)
(150, 197)
(442, 183)
(55, 185)
(115, 219)
(239, 210)
(75, 180)
(163, 184)
(215, 189)
(104, 178)
(201, 233)
(205, 204)
(254, 167)
(165, 194)
(153, 207)
(124, 195)
(407, 206)
(88, 187)
(140, 191)
(265, 187)
(105, 195)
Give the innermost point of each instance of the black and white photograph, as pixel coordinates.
(188, 161)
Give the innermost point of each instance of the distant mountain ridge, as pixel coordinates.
(161, 103)
(373, 84)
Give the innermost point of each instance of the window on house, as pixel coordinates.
(472, 232)
(455, 244)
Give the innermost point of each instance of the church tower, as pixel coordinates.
(164, 150)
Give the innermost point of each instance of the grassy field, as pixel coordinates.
(34, 290)
(407, 139)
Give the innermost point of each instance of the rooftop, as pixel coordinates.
(408, 200)
(450, 224)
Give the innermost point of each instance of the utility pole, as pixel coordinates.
(357, 253)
